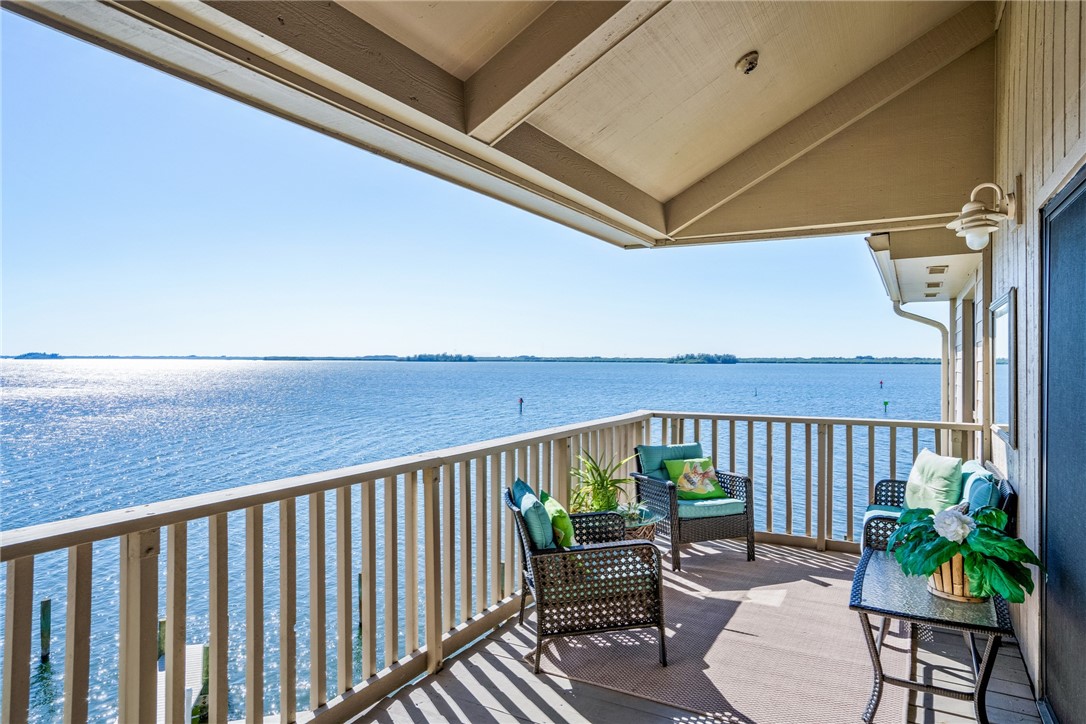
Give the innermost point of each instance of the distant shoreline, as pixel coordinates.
(393, 358)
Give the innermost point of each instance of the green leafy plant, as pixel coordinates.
(994, 562)
(600, 488)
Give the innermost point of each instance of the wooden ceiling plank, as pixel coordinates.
(886, 81)
(528, 144)
(344, 42)
(567, 38)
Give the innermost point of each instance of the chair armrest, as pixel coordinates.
(736, 486)
(616, 570)
(602, 527)
(657, 495)
(877, 531)
(890, 492)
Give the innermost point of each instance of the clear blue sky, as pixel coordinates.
(144, 215)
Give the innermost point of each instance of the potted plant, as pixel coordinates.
(601, 489)
(966, 557)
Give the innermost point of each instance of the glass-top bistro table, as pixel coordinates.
(880, 589)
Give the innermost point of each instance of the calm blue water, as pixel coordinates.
(84, 436)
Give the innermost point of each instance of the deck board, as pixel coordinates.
(490, 682)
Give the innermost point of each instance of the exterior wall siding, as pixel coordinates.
(1040, 114)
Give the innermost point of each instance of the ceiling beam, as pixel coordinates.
(872, 90)
(567, 38)
(344, 42)
(528, 144)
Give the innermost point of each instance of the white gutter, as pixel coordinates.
(944, 364)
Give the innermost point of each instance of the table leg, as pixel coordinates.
(876, 663)
(987, 663)
(910, 695)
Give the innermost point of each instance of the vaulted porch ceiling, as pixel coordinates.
(626, 120)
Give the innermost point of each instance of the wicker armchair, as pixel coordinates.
(879, 528)
(661, 498)
(605, 584)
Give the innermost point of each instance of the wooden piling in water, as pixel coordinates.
(46, 627)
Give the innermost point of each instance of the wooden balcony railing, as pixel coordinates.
(444, 574)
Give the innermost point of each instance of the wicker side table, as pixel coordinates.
(643, 528)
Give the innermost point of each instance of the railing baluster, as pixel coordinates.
(561, 469)
(392, 575)
(750, 449)
(218, 618)
(138, 666)
(546, 482)
(938, 439)
(848, 482)
(318, 658)
(788, 478)
(716, 441)
(870, 463)
(176, 599)
(807, 497)
(822, 483)
(481, 531)
(411, 560)
(697, 429)
(828, 502)
(496, 507)
(464, 530)
(509, 548)
(254, 614)
(367, 597)
(344, 621)
(677, 431)
(731, 447)
(432, 571)
(448, 545)
(18, 614)
(916, 442)
(893, 452)
(288, 609)
(77, 632)
(769, 476)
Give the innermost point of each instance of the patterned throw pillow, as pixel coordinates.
(695, 479)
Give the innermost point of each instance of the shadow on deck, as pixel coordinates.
(771, 641)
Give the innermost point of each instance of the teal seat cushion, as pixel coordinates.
(935, 482)
(537, 522)
(652, 457)
(711, 508)
(520, 489)
(983, 493)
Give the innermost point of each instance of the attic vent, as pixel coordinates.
(930, 295)
(941, 269)
(934, 285)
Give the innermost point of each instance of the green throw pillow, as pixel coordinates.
(935, 482)
(560, 521)
(694, 479)
(537, 522)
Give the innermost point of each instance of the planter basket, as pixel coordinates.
(949, 581)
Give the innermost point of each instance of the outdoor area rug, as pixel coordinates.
(770, 642)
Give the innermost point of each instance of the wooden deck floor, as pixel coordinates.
(490, 682)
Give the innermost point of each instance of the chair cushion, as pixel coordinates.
(652, 457)
(561, 523)
(694, 479)
(537, 522)
(934, 482)
(520, 489)
(712, 508)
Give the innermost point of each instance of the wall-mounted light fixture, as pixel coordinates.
(979, 221)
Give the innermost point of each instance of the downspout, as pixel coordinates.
(944, 363)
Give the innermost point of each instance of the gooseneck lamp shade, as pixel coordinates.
(978, 221)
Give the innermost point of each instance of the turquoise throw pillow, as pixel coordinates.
(973, 472)
(537, 522)
(652, 457)
(560, 521)
(983, 493)
(520, 489)
(694, 479)
(934, 482)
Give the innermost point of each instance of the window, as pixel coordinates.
(1003, 368)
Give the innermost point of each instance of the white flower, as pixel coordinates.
(953, 524)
